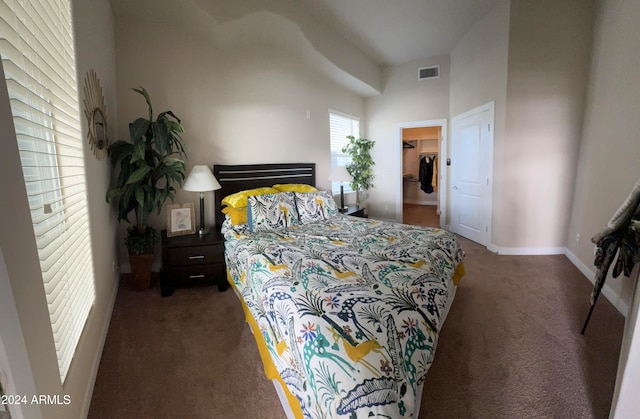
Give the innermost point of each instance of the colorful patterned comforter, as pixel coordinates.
(349, 309)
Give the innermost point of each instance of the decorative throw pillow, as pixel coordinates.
(295, 187)
(239, 199)
(237, 216)
(316, 206)
(272, 211)
(330, 207)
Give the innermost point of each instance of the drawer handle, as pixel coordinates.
(195, 276)
(197, 257)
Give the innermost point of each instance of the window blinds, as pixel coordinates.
(340, 126)
(36, 46)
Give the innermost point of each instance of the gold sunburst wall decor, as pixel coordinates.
(96, 113)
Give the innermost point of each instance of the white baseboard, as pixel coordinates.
(607, 291)
(523, 251)
(96, 361)
(611, 295)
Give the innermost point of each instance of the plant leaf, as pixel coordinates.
(172, 115)
(144, 93)
(147, 165)
(138, 128)
(138, 174)
(161, 137)
(118, 151)
(140, 196)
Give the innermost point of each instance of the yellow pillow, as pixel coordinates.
(239, 199)
(238, 216)
(295, 187)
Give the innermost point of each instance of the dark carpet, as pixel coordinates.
(510, 348)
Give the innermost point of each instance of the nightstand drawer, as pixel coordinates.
(192, 260)
(199, 255)
(205, 273)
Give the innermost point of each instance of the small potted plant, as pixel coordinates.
(361, 166)
(150, 164)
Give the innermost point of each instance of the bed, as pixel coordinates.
(345, 311)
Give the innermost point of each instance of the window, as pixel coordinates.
(37, 51)
(340, 126)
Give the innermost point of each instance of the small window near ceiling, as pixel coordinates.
(341, 126)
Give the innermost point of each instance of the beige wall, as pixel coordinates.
(608, 166)
(237, 105)
(479, 76)
(532, 59)
(549, 52)
(291, 26)
(285, 23)
(95, 49)
(608, 159)
(404, 99)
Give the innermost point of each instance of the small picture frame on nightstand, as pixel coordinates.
(181, 220)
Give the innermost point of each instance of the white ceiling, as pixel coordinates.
(388, 32)
(394, 32)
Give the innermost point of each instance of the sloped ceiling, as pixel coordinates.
(351, 41)
(392, 32)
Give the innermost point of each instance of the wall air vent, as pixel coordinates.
(427, 73)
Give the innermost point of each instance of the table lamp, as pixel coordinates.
(340, 174)
(201, 180)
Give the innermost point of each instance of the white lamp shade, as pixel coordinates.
(201, 180)
(340, 174)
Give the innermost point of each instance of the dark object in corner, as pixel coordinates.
(621, 237)
(407, 145)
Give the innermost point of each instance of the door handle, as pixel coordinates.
(455, 188)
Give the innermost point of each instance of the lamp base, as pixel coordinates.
(343, 208)
(202, 231)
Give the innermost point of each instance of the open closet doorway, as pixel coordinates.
(423, 178)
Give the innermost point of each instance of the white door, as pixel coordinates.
(471, 169)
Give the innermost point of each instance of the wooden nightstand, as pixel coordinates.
(355, 211)
(192, 260)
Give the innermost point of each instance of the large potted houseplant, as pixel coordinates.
(149, 165)
(361, 166)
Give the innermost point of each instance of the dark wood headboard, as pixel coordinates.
(236, 178)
